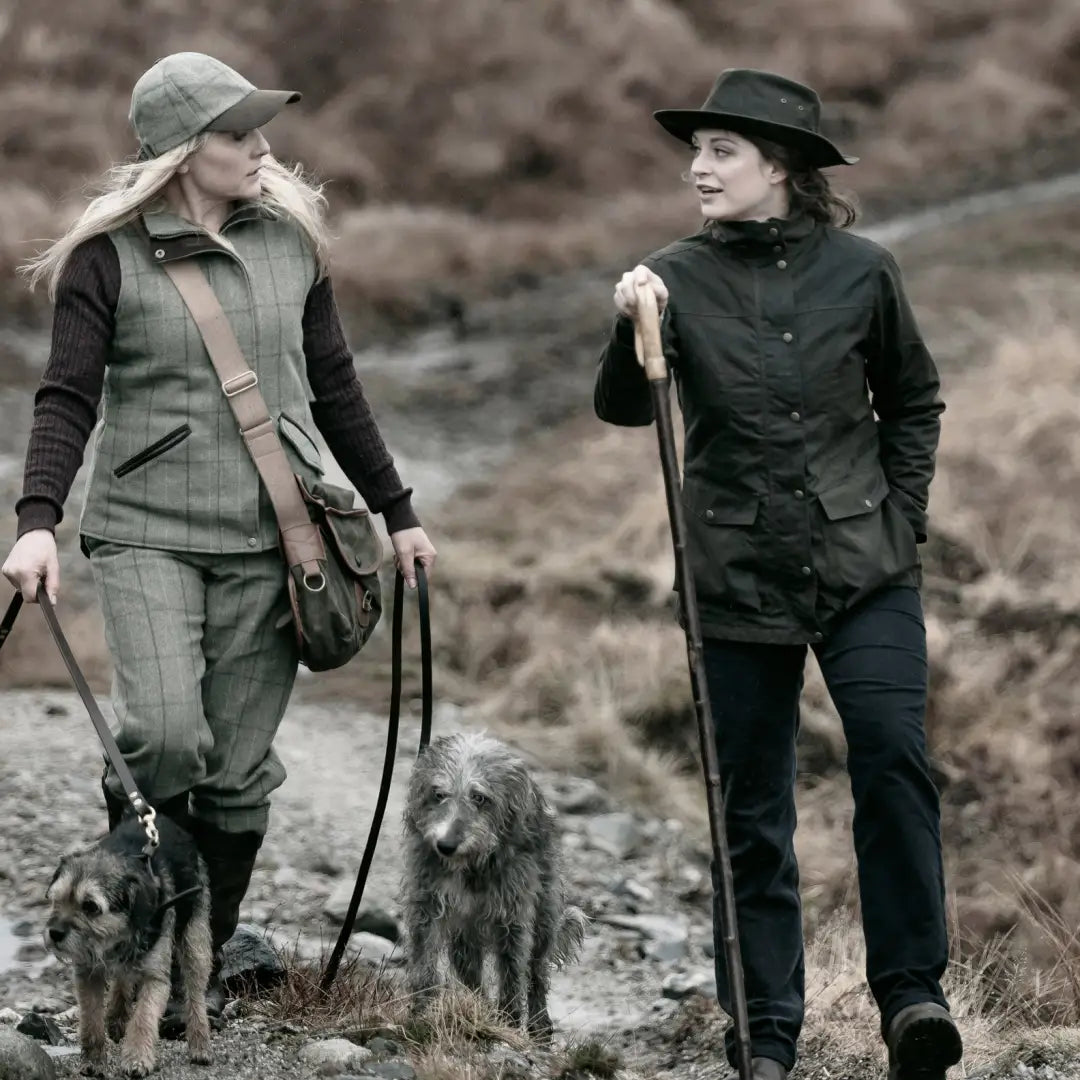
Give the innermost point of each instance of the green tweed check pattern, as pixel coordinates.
(201, 493)
(203, 673)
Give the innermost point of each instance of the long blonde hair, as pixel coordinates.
(131, 187)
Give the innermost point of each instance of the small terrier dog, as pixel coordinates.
(483, 874)
(117, 921)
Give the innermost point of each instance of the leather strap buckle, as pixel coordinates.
(239, 383)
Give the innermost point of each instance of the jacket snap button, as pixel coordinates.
(709, 514)
(806, 571)
(774, 231)
(796, 417)
(252, 541)
(788, 336)
(781, 265)
(867, 502)
(817, 635)
(798, 493)
(160, 253)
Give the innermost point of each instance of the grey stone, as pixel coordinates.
(666, 938)
(9, 1016)
(371, 918)
(510, 1064)
(665, 950)
(22, 1059)
(334, 1057)
(376, 949)
(24, 928)
(30, 951)
(683, 985)
(49, 1006)
(390, 1070)
(382, 1047)
(618, 834)
(41, 1027)
(572, 795)
(247, 959)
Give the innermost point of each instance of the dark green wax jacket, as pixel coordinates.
(811, 410)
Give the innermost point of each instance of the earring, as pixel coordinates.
(182, 169)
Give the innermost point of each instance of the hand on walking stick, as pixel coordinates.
(642, 295)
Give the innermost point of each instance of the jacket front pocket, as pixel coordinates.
(720, 545)
(155, 449)
(867, 539)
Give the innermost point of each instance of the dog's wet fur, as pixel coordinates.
(107, 922)
(484, 876)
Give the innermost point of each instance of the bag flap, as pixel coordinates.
(350, 529)
(719, 506)
(857, 495)
(299, 440)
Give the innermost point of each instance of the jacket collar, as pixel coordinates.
(762, 236)
(171, 236)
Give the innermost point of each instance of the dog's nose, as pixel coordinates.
(57, 934)
(446, 847)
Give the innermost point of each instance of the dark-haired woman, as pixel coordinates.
(812, 416)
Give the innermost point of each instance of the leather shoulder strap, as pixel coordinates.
(240, 384)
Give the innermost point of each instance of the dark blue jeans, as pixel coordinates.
(874, 664)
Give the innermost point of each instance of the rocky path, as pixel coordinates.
(643, 883)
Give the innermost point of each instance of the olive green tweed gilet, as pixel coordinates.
(168, 468)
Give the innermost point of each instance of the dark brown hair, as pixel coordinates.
(809, 189)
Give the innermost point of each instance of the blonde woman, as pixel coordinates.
(180, 533)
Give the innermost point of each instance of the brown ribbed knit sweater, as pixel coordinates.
(66, 402)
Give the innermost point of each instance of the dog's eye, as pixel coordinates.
(440, 796)
(91, 908)
(478, 798)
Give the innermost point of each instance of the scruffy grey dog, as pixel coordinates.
(117, 926)
(483, 876)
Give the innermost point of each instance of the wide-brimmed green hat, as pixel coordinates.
(751, 102)
(187, 93)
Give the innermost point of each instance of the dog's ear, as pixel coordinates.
(61, 866)
(137, 895)
(523, 807)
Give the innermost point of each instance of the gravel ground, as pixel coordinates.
(644, 884)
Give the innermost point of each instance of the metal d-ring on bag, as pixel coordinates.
(332, 551)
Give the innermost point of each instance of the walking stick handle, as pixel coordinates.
(647, 342)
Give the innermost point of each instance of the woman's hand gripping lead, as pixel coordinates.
(412, 546)
(33, 559)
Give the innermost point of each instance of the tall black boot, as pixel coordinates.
(230, 860)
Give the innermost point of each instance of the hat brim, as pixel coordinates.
(258, 108)
(815, 149)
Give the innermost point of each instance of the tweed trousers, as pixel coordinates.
(204, 662)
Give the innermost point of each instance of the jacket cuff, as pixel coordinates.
(400, 515)
(36, 514)
(916, 518)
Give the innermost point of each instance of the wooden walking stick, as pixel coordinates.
(650, 354)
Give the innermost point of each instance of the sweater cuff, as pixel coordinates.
(400, 515)
(36, 514)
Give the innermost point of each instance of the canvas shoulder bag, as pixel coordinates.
(332, 551)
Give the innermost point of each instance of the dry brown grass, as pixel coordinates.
(452, 1041)
(471, 143)
(1009, 1008)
